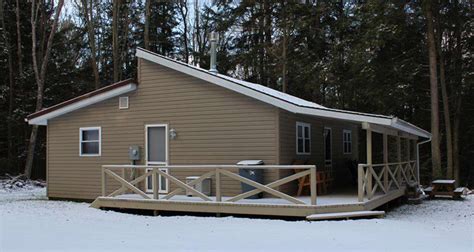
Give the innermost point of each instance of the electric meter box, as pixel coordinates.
(134, 152)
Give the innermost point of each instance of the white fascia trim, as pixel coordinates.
(43, 120)
(409, 128)
(329, 113)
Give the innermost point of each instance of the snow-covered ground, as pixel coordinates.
(30, 222)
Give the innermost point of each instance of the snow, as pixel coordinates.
(272, 92)
(443, 181)
(30, 222)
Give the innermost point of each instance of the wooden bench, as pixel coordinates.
(459, 192)
(444, 187)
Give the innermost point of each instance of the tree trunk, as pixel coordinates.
(147, 24)
(435, 148)
(18, 35)
(456, 161)
(89, 17)
(40, 74)
(447, 117)
(285, 46)
(445, 98)
(115, 42)
(11, 82)
(183, 9)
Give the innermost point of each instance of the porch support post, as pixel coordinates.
(408, 149)
(399, 160)
(104, 182)
(385, 161)
(313, 185)
(218, 185)
(369, 163)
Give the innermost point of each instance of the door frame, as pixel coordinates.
(157, 163)
(326, 164)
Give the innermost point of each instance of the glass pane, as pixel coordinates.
(156, 144)
(162, 183)
(306, 132)
(149, 183)
(90, 148)
(349, 147)
(307, 146)
(300, 145)
(300, 131)
(88, 135)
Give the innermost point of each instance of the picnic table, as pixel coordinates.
(444, 187)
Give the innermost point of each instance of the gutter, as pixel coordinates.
(418, 158)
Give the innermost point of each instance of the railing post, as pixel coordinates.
(369, 170)
(369, 164)
(123, 176)
(399, 160)
(360, 178)
(104, 181)
(313, 185)
(218, 185)
(154, 186)
(385, 160)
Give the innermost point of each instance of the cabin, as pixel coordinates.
(172, 140)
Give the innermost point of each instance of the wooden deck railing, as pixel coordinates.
(216, 171)
(384, 177)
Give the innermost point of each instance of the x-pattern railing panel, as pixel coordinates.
(384, 175)
(216, 172)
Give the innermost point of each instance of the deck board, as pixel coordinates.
(339, 203)
(345, 215)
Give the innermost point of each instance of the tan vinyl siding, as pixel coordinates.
(287, 150)
(214, 126)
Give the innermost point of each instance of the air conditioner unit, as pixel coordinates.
(203, 187)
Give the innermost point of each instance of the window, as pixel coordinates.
(123, 102)
(303, 138)
(347, 141)
(327, 146)
(89, 141)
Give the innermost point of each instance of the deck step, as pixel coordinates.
(345, 215)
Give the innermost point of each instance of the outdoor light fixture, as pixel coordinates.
(173, 134)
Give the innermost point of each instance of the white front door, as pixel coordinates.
(157, 153)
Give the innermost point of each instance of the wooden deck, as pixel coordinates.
(128, 196)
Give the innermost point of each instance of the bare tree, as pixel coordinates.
(11, 81)
(284, 49)
(183, 10)
(115, 43)
(432, 55)
(147, 24)
(88, 9)
(39, 70)
(446, 111)
(18, 35)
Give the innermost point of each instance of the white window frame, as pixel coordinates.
(303, 125)
(128, 100)
(344, 132)
(157, 163)
(327, 162)
(82, 129)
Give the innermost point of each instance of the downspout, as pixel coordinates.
(418, 158)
